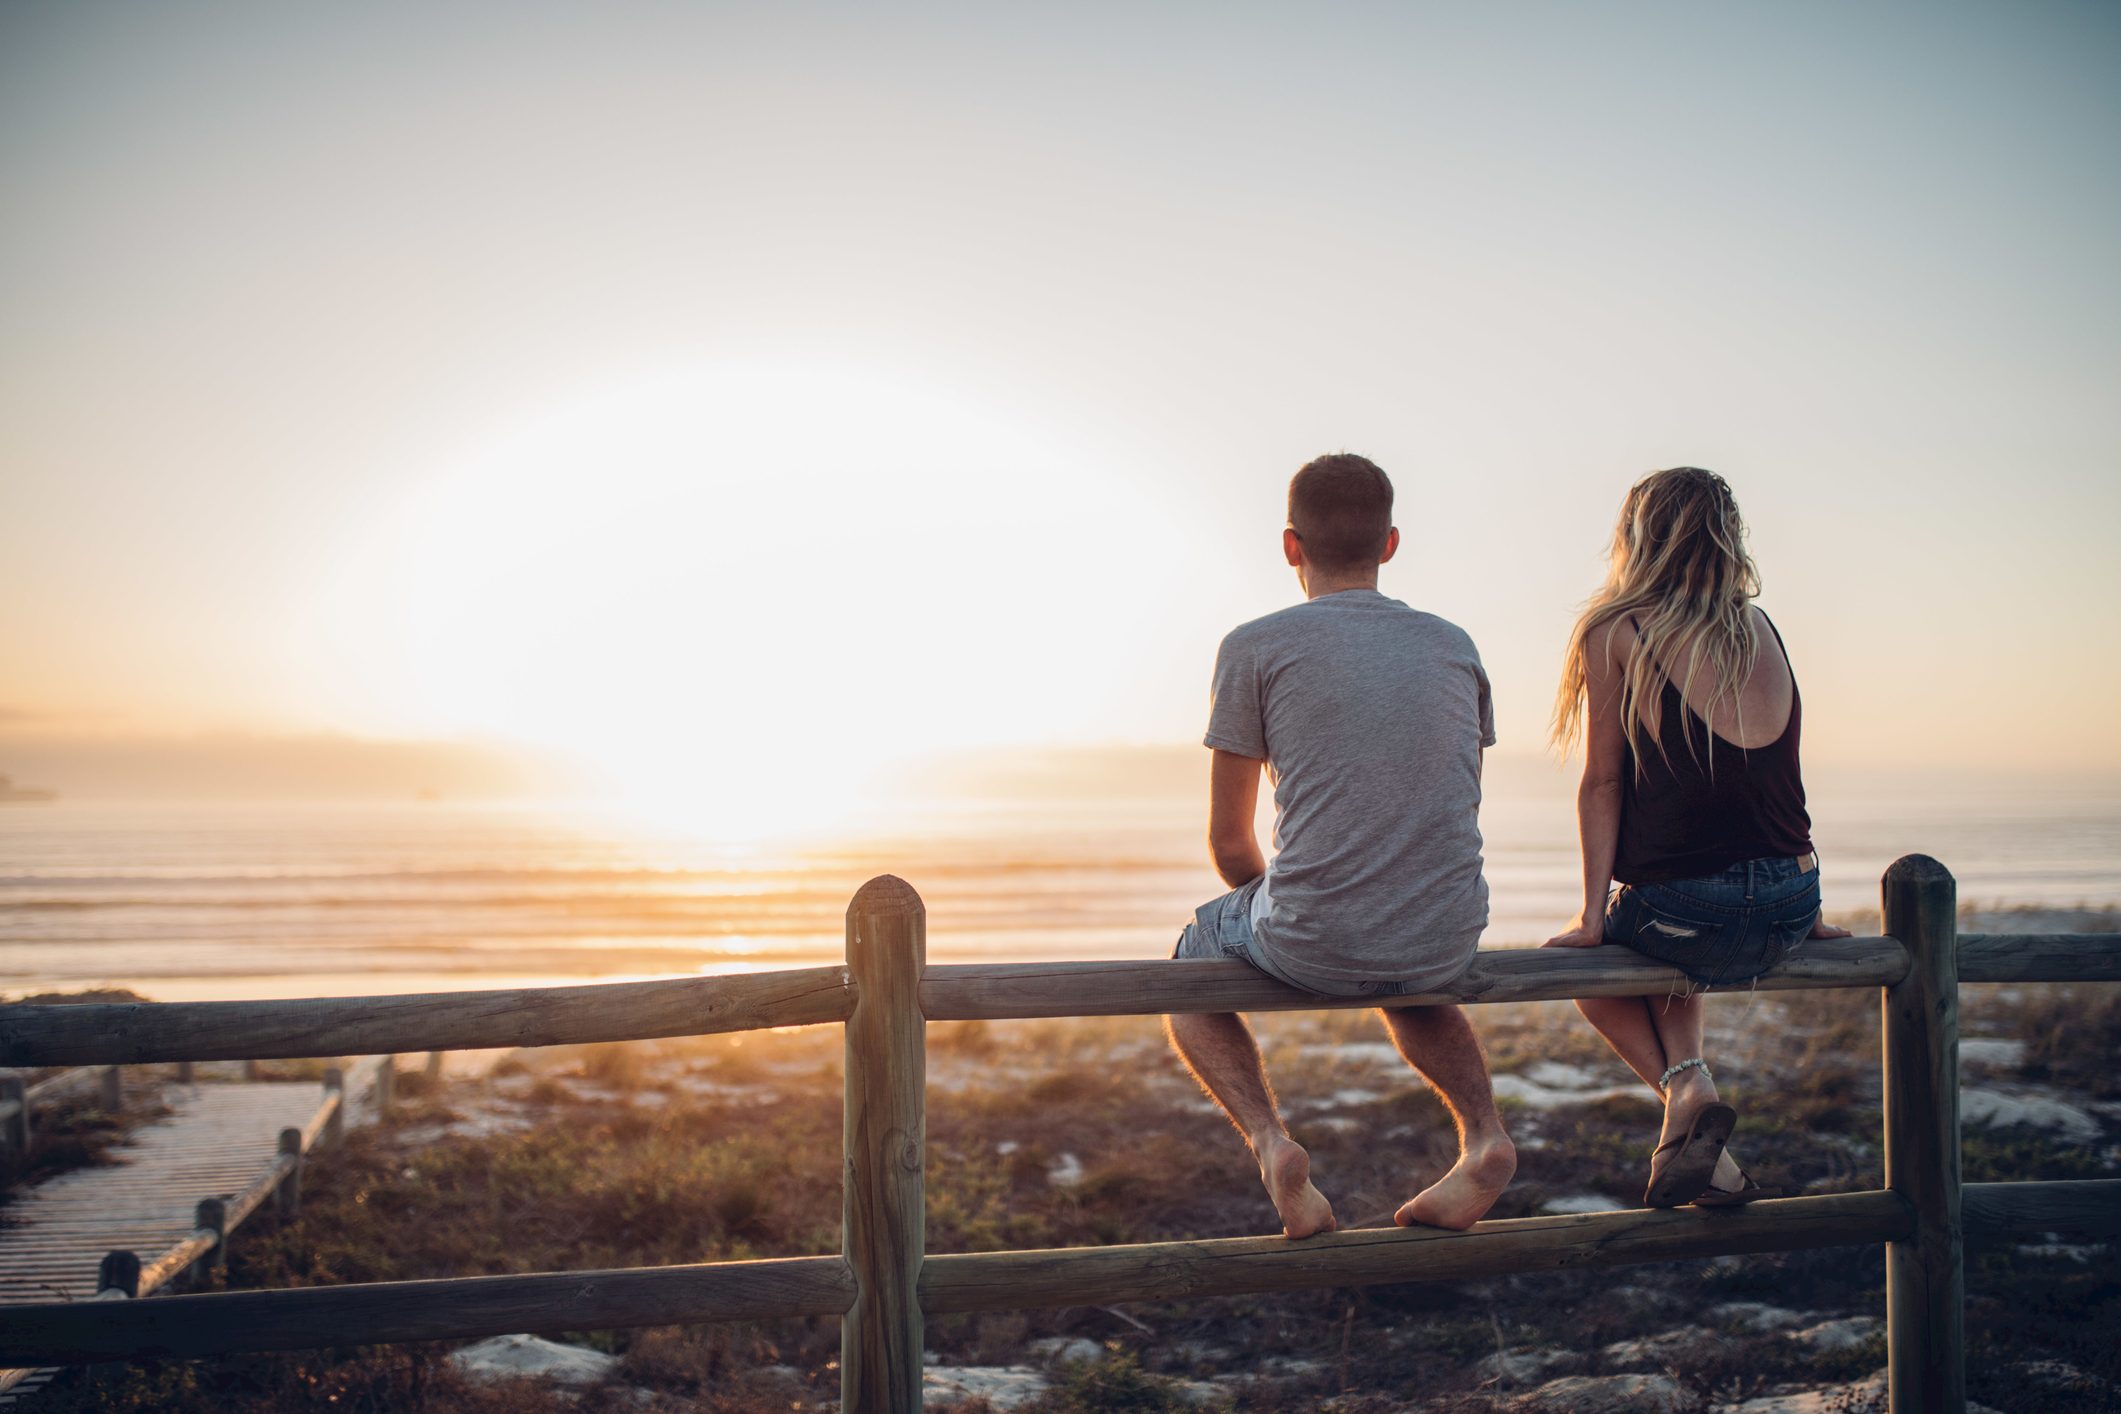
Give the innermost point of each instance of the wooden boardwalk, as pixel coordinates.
(219, 1141)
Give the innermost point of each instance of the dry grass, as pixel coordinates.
(729, 1147)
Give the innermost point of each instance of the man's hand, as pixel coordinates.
(1583, 933)
(1823, 929)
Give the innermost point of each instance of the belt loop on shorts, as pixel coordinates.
(1750, 866)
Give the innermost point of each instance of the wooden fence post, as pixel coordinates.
(213, 1213)
(434, 1067)
(387, 1085)
(291, 1186)
(884, 1231)
(15, 1128)
(1925, 1279)
(119, 1271)
(113, 1090)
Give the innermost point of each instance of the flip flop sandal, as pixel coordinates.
(1681, 1167)
(1747, 1191)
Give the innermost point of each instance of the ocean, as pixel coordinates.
(185, 902)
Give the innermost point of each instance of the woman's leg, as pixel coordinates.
(1631, 1027)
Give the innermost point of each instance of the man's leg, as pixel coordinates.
(1439, 1043)
(1631, 1026)
(1219, 1050)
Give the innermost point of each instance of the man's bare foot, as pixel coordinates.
(1286, 1170)
(1463, 1196)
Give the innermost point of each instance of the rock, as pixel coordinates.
(2002, 1109)
(1864, 1396)
(1755, 1316)
(1683, 1346)
(2061, 1375)
(1858, 1397)
(1520, 1367)
(1990, 1053)
(1605, 1394)
(529, 1357)
(1560, 1075)
(1061, 1350)
(1533, 1095)
(1066, 1172)
(1582, 1203)
(1846, 1333)
(1003, 1386)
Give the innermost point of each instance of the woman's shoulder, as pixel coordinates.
(1609, 642)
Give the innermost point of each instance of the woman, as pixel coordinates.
(1681, 691)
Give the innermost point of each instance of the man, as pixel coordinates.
(1371, 719)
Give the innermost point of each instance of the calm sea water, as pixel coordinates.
(184, 902)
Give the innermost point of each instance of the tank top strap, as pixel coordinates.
(1788, 666)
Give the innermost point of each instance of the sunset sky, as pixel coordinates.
(739, 391)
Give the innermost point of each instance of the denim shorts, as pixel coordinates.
(1222, 928)
(1725, 927)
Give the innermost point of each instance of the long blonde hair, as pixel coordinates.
(1679, 568)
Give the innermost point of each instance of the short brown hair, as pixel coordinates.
(1340, 506)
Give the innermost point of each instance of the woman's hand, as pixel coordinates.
(1583, 933)
(1823, 929)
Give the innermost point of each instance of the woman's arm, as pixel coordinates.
(1598, 797)
(1233, 794)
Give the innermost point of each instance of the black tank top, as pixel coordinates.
(1700, 804)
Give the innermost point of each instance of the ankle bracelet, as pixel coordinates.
(1664, 1081)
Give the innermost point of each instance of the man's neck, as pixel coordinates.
(1319, 588)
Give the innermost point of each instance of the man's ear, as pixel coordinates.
(1391, 545)
(1292, 547)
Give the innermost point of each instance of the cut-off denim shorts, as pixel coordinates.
(1725, 927)
(1222, 928)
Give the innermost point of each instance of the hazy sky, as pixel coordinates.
(759, 380)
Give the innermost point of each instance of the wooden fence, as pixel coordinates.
(883, 1282)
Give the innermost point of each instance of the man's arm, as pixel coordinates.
(1233, 796)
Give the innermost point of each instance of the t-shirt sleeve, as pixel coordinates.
(1487, 705)
(1234, 721)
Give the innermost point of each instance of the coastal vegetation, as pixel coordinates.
(1077, 1132)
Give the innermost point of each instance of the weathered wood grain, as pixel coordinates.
(884, 1232)
(1925, 1275)
(2080, 1210)
(995, 991)
(1365, 1256)
(332, 1026)
(2040, 957)
(70, 1333)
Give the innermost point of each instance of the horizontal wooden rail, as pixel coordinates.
(448, 1021)
(2084, 1210)
(2040, 957)
(72, 1333)
(996, 991)
(1075, 1276)
(468, 1307)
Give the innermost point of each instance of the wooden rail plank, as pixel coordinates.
(221, 1323)
(2082, 1210)
(1365, 1256)
(2040, 957)
(997, 991)
(334, 1026)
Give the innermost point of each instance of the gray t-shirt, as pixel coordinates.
(1371, 717)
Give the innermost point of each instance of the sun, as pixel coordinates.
(739, 592)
